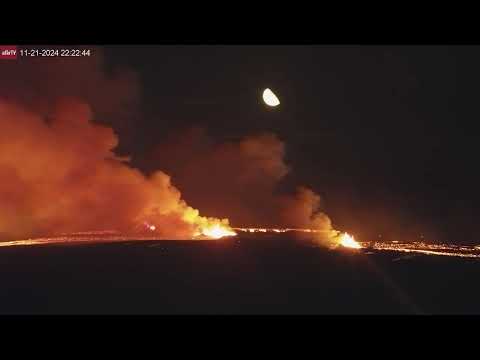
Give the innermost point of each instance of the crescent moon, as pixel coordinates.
(270, 98)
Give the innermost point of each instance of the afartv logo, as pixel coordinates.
(8, 52)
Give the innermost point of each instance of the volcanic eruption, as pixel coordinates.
(242, 183)
(59, 171)
(61, 175)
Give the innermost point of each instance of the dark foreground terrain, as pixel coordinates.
(231, 277)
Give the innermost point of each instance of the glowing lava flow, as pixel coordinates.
(209, 229)
(265, 230)
(345, 239)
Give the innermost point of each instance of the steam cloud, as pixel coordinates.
(62, 176)
(240, 180)
(58, 172)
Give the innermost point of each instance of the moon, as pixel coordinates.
(270, 98)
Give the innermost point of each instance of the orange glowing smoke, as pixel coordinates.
(62, 176)
(244, 183)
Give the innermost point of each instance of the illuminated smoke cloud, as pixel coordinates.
(240, 180)
(62, 176)
(58, 172)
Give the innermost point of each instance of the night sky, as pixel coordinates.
(385, 134)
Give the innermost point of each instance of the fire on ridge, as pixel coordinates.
(217, 232)
(345, 239)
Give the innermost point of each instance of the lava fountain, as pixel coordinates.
(217, 231)
(348, 241)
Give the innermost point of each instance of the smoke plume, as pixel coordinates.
(61, 175)
(240, 180)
